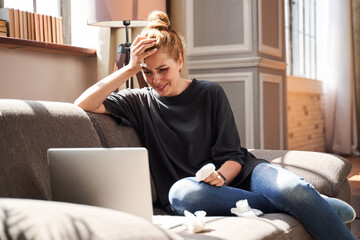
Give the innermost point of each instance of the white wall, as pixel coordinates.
(83, 35)
(44, 76)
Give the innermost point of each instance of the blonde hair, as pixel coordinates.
(158, 28)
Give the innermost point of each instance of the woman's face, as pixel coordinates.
(162, 73)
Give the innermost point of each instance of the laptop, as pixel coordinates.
(116, 178)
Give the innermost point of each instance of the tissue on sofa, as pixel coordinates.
(244, 210)
(195, 222)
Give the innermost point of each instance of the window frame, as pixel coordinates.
(300, 35)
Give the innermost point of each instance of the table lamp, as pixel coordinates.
(122, 13)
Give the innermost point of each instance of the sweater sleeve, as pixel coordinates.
(227, 144)
(123, 106)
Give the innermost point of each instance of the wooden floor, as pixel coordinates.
(354, 179)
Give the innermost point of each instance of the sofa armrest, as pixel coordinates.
(27, 130)
(326, 172)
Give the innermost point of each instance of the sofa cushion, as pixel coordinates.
(28, 130)
(326, 172)
(268, 226)
(39, 219)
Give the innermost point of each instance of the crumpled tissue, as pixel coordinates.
(204, 172)
(195, 222)
(244, 210)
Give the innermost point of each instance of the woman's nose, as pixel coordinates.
(156, 79)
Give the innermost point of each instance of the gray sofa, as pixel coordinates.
(29, 128)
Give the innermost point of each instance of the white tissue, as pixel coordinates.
(195, 222)
(244, 210)
(143, 64)
(204, 172)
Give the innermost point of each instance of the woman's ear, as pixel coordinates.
(180, 62)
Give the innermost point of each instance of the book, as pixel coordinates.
(2, 23)
(7, 14)
(21, 24)
(59, 30)
(16, 23)
(26, 35)
(32, 19)
(41, 27)
(29, 25)
(3, 29)
(48, 20)
(37, 26)
(46, 36)
(53, 29)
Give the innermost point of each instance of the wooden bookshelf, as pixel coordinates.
(14, 43)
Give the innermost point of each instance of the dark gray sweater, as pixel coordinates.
(184, 132)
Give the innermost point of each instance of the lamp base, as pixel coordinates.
(122, 59)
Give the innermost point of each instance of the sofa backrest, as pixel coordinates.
(27, 130)
(112, 133)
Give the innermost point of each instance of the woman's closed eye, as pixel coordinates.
(162, 70)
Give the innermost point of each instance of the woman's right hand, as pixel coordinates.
(139, 51)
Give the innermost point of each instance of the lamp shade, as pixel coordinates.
(112, 13)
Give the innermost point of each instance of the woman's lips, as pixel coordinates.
(160, 88)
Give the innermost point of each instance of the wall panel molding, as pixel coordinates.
(246, 47)
(263, 47)
(236, 63)
(278, 80)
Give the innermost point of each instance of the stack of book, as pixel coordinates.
(3, 28)
(31, 26)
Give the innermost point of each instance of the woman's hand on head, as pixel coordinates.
(139, 51)
(215, 179)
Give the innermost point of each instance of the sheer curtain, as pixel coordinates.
(336, 69)
(356, 44)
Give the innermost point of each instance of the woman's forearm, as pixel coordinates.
(93, 97)
(230, 169)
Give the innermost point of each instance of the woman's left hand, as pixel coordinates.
(230, 169)
(215, 179)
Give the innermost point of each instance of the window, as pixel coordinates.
(47, 7)
(300, 31)
(24, 5)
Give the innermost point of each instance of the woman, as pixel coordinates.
(186, 124)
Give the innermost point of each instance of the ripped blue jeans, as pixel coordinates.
(272, 190)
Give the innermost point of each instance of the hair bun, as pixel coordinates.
(158, 20)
